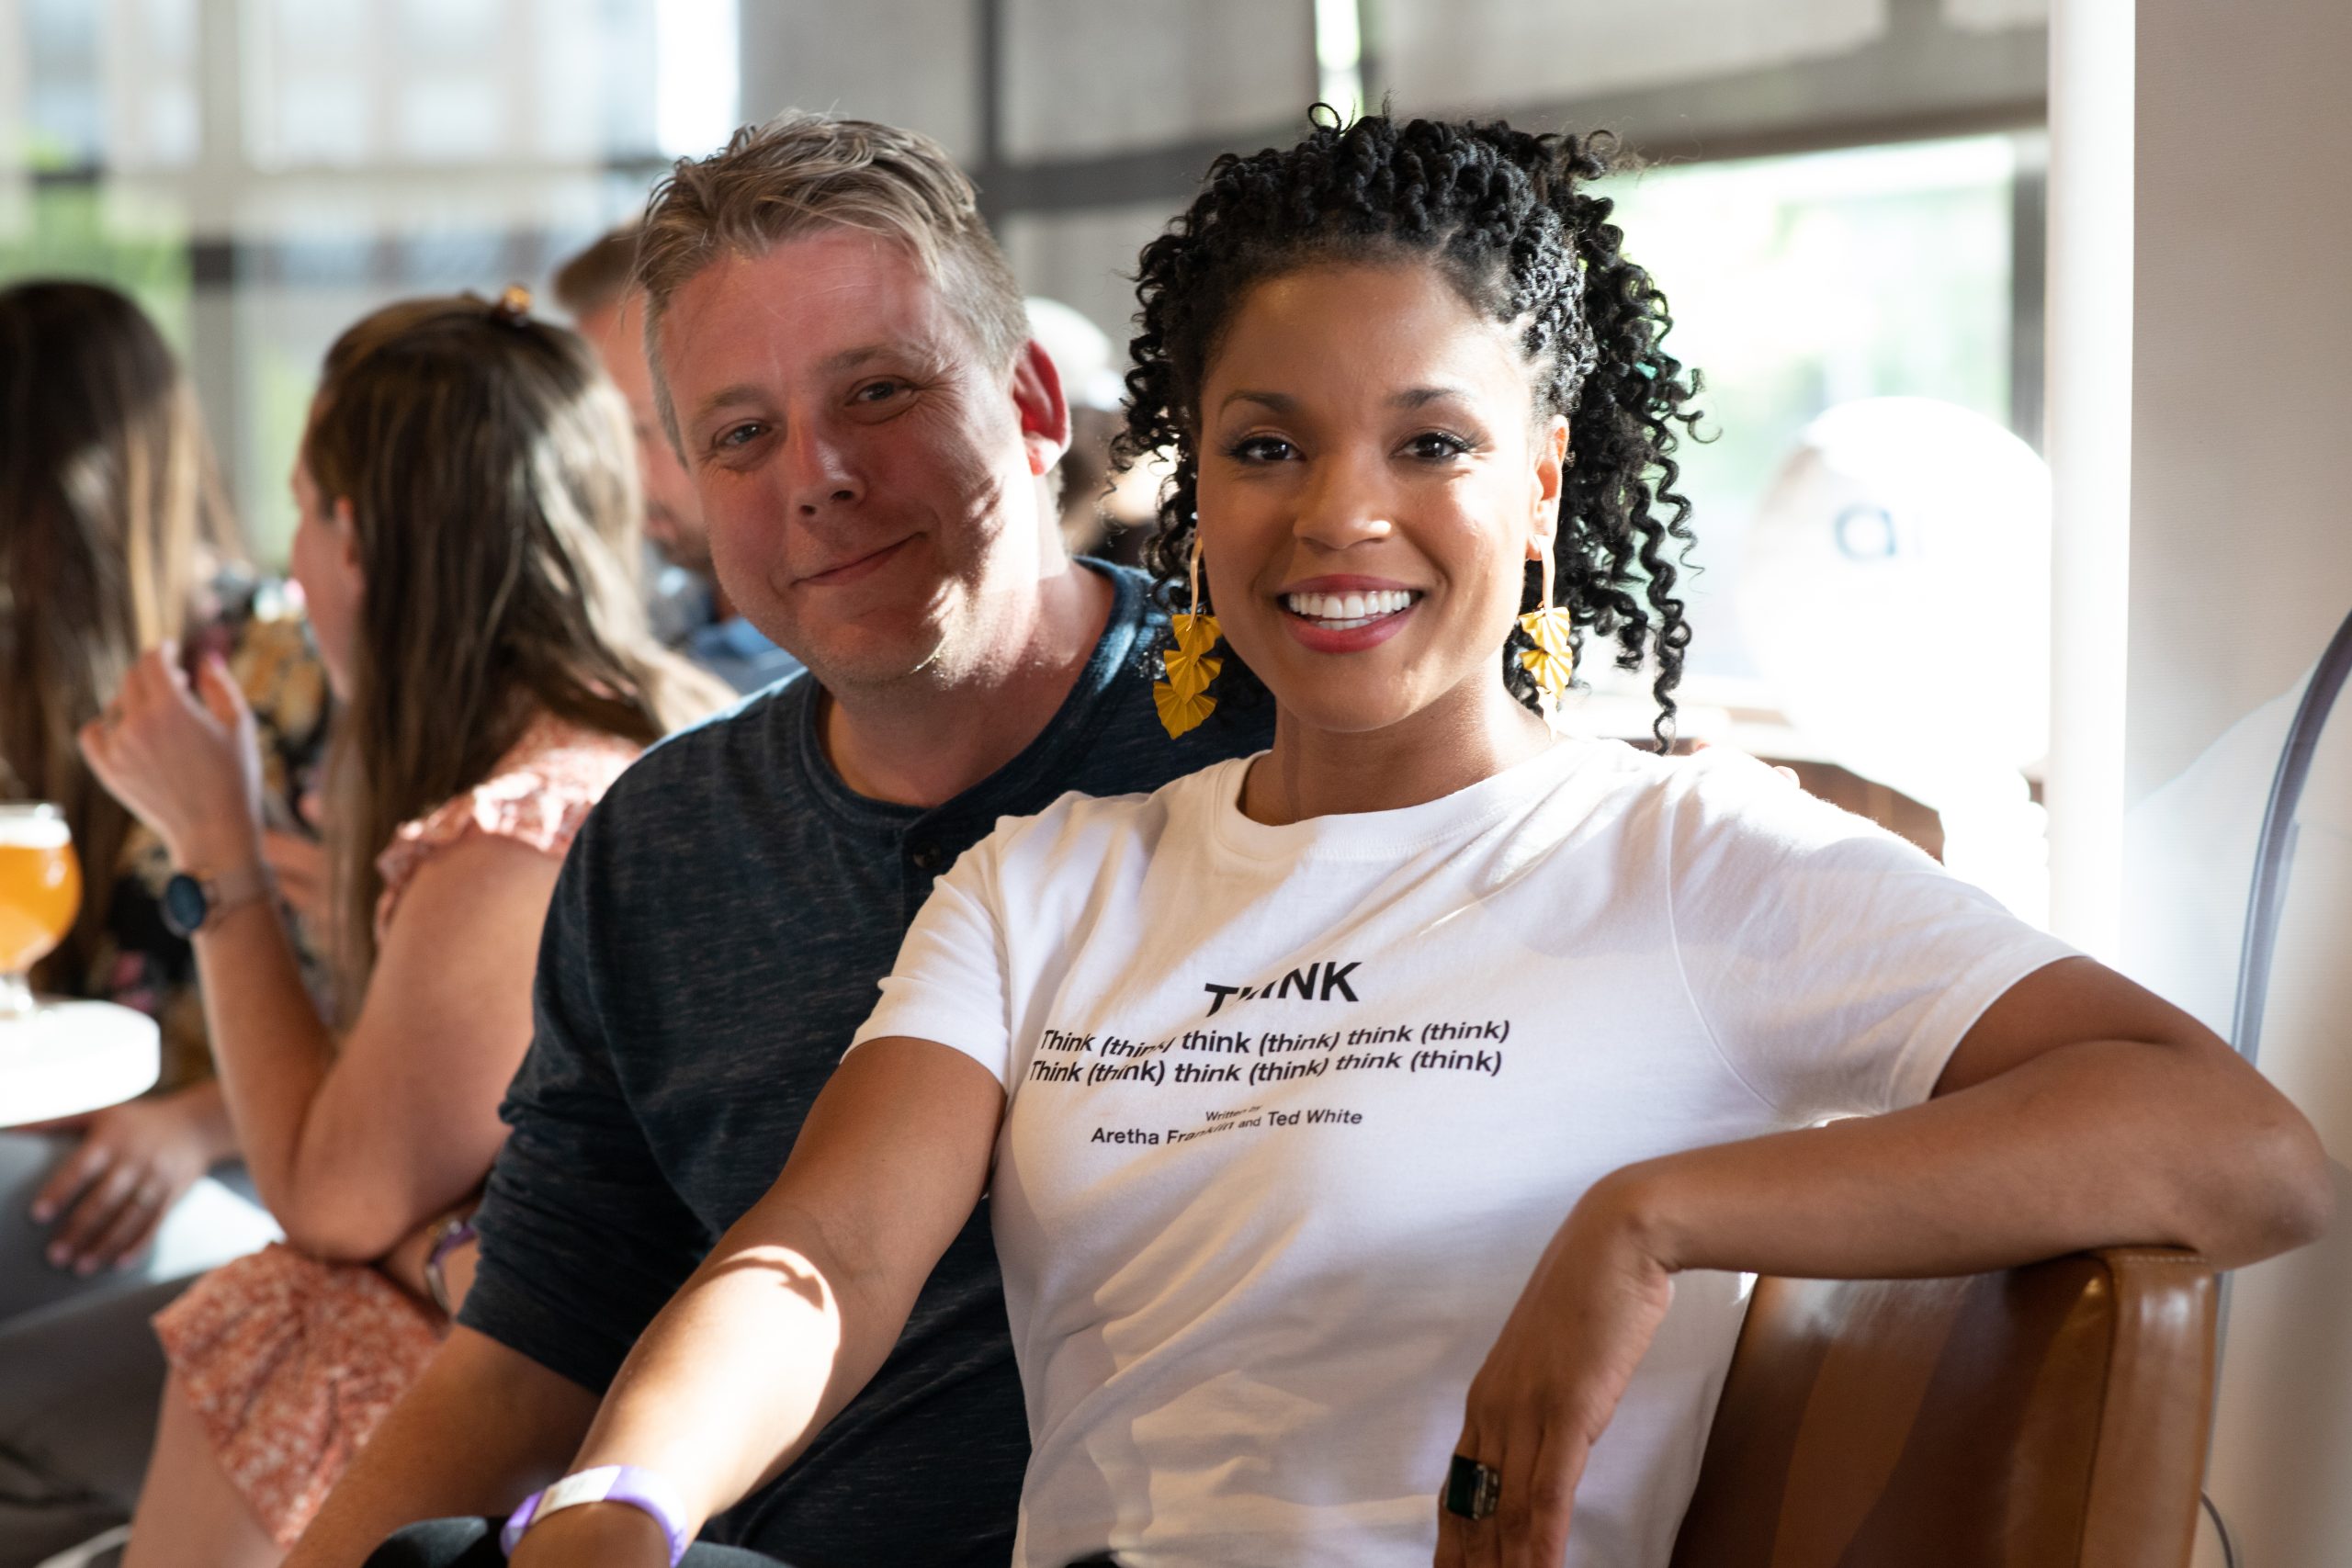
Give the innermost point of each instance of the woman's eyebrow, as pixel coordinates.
(1277, 403)
(1283, 402)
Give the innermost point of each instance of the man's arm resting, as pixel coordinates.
(482, 1429)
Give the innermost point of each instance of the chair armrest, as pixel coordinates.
(2049, 1416)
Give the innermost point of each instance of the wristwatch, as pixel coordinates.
(641, 1489)
(190, 900)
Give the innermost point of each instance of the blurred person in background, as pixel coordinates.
(468, 516)
(1082, 352)
(845, 359)
(691, 611)
(115, 536)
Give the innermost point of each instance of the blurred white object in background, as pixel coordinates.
(1081, 351)
(1897, 597)
(697, 75)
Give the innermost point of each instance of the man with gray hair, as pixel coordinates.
(843, 359)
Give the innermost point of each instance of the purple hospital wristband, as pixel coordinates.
(640, 1489)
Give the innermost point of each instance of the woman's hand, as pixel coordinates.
(133, 1162)
(183, 761)
(1552, 1381)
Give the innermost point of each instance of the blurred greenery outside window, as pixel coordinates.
(137, 243)
(56, 219)
(384, 149)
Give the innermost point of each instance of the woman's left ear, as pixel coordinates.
(1551, 480)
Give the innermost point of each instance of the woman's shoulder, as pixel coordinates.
(537, 795)
(558, 755)
(1721, 812)
(1701, 807)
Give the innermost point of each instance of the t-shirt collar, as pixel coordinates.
(1381, 835)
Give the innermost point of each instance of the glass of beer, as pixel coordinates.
(41, 892)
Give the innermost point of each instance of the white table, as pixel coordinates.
(69, 1058)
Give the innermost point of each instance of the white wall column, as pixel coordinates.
(2088, 413)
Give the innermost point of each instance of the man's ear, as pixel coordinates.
(1044, 412)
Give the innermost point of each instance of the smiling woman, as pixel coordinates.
(1374, 1129)
(1368, 507)
(1556, 375)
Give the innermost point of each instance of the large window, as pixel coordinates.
(258, 173)
(1799, 283)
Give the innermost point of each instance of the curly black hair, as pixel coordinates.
(1506, 215)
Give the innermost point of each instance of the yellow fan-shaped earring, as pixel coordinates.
(1552, 660)
(1183, 696)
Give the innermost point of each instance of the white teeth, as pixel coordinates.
(1343, 612)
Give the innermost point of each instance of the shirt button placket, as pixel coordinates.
(924, 860)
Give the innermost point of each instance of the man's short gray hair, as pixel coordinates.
(801, 172)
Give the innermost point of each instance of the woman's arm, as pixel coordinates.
(2080, 1112)
(799, 1301)
(350, 1146)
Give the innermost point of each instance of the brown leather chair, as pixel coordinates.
(2052, 1416)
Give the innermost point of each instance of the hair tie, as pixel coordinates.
(514, 306)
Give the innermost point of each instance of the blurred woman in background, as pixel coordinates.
(468, 506)
(115, 536)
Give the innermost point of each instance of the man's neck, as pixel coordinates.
(923, 742)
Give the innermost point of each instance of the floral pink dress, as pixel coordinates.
(290, 1362)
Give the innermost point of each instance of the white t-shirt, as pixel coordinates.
(1295, 1110)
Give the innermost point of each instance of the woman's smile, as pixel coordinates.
(1346, 613)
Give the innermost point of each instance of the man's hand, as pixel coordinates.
(132, 1164)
